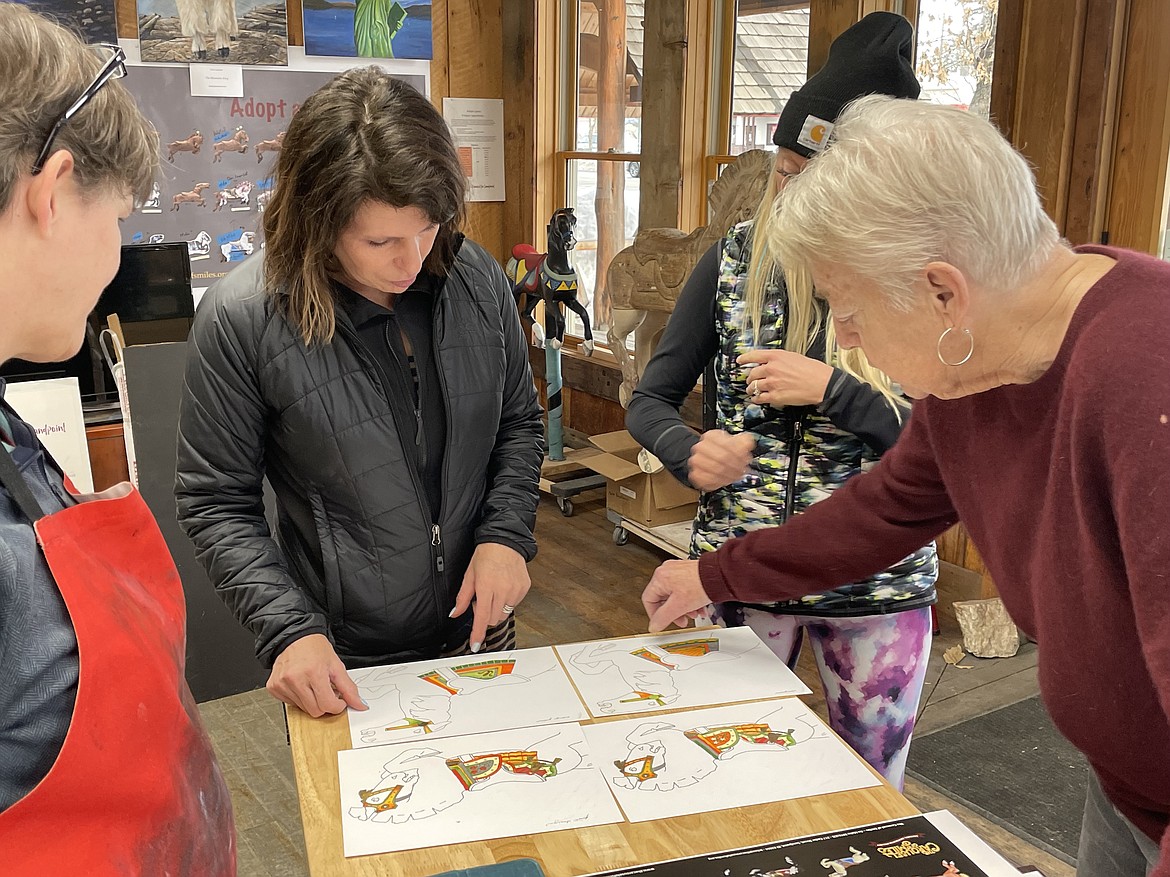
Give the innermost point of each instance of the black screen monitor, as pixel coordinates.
(153, 283)
(151, 294)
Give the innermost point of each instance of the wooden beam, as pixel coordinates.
(826, 21)
(1137, 194)
(520, 120)
(1092, 139)
(474, 64)
(665, 41)
(1009, 30)
(609, 197)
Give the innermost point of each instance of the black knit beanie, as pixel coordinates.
(872, 57)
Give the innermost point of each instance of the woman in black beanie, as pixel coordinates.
(796, 417)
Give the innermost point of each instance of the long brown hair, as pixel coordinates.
(362, 137)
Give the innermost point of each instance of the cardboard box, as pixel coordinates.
(651, 500)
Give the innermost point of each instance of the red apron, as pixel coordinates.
(135, 789)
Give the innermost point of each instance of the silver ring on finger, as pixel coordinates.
(754, 389)
(508, 610)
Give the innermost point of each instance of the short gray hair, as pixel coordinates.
(43, 69)
(904, 183)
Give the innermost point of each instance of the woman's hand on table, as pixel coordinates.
(309, 675)
(675, 595)
(497, 580)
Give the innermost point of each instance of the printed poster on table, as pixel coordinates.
(368, 28)
(218, 157)
(213, 31)
(92, 19)
(933, 845)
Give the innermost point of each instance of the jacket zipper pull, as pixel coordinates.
(418, 429)
(436, 543)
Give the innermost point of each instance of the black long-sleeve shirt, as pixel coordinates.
(689, 343)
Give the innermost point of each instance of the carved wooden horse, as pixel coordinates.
(551, 278)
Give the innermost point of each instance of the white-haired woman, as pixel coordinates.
(1044, 425)
(795, 419)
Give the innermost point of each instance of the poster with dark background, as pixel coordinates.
(911, 847)
(93, 19)
(218, 157)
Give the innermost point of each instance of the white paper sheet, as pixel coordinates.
(52, 407)
(716, 759)
(477, 787)
(686, 668)
(477, 126)
(432, 699)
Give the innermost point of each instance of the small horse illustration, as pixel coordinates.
(238, 142)
(262, 200)
(195, 196)
(272, 145)
(241, 192)
(551, 278)
(234, 251)
(200, 245)
(840, 867)
(155, 199)
(191, 145)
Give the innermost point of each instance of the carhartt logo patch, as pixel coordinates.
(814, 134)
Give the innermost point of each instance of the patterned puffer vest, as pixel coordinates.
(800, 457)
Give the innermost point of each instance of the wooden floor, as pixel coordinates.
(583, 587)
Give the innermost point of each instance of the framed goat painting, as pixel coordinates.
(213, 31)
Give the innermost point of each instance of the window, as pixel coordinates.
(601, 169)
(771, 62)
(956, 47)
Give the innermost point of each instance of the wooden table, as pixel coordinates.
(316, 742)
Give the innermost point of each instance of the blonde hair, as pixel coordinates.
(364, 136)
(907, 183)
(43, 69)
(807, 316)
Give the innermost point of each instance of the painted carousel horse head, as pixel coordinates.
(550, 278)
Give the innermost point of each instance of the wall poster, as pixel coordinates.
(218, 157)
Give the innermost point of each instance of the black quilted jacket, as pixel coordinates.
(355, 556)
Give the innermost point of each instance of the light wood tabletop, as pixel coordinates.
(316, 742)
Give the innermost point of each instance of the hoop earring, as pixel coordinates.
(970, 347)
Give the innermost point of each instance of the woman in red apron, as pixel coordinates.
(105, 768)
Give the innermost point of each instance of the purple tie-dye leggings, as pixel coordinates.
(872, 669)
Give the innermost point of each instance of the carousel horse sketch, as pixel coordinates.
(648, 674)
(192, 145)
(418, 782)
(644, 280)
(238, 142)
(421, 704)
(195, 196)
(551, 278)
(663, 756)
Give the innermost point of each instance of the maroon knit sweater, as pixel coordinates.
(1064, 485)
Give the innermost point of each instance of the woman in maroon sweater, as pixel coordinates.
(1044, 425)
